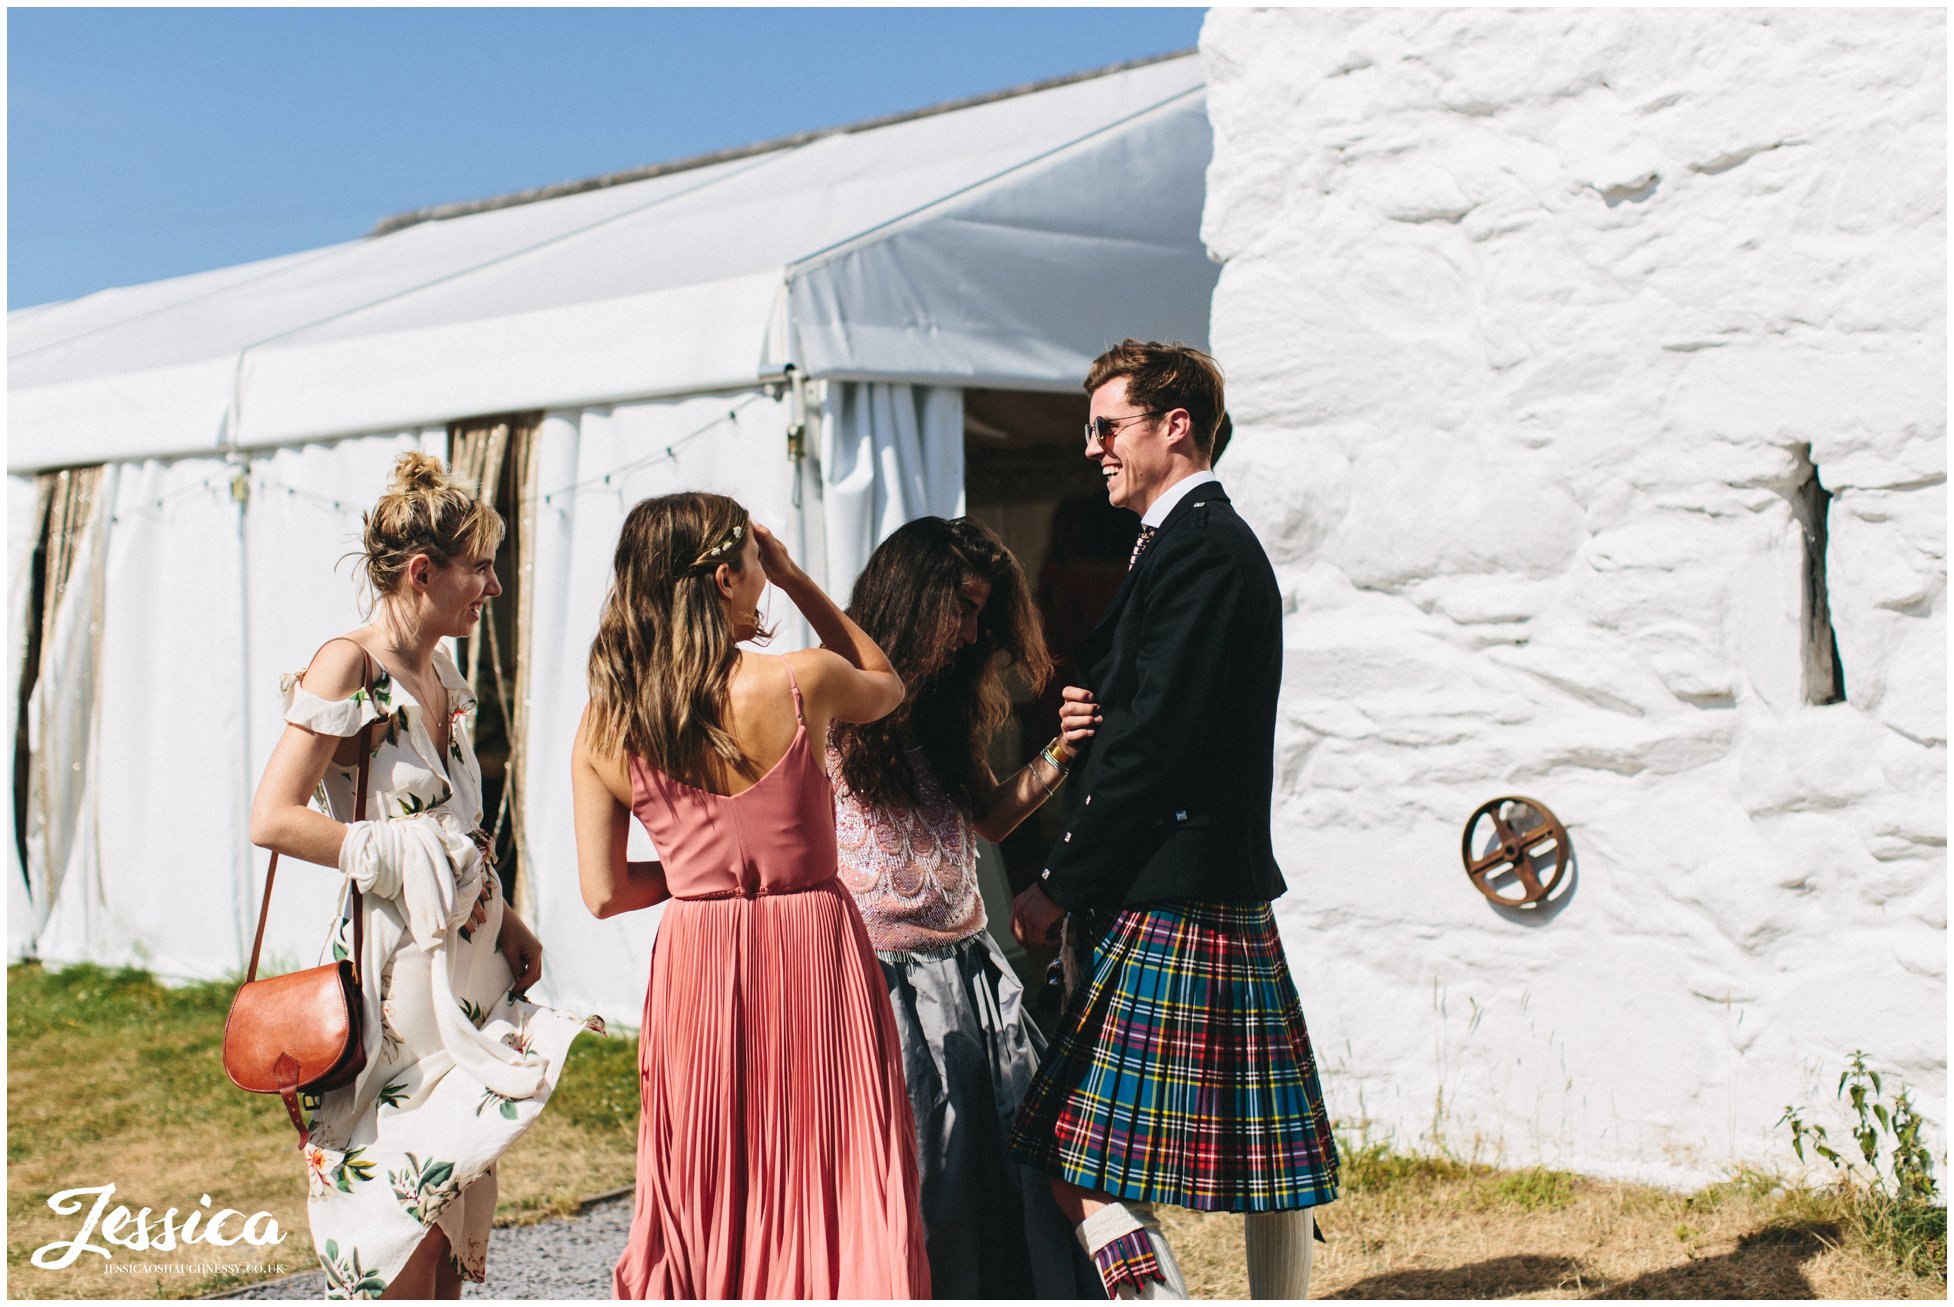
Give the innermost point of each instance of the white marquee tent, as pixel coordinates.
(188, 458)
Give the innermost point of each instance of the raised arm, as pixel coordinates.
(855, 683)
(600, 785)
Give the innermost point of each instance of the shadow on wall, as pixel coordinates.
(1767, 1263)
(1539, 914)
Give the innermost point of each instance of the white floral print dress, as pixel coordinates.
(413, 1142)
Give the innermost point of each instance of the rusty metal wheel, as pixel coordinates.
(1517, 838)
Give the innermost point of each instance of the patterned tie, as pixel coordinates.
(1147, 533)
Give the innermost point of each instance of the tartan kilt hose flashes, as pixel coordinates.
(1183, 1074)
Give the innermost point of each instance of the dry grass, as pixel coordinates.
(1433, 1228)
(113, 1078)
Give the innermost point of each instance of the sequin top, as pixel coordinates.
(914, 872)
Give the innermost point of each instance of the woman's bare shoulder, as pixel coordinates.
(601, 755)
(593, 738)
(338, 669)
(813, 667)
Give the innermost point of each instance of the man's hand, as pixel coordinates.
(1078, 715)
(1035, 919)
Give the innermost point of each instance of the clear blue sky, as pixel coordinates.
(147, 143)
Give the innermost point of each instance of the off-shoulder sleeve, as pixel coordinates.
(461, 695)
(327, 716)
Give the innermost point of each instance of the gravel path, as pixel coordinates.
(568, 1258)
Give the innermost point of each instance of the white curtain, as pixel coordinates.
(734, 445)
(23, 533)
(65, 742)
(63, 718)
(201, 600)
(888, 454)
(166, 765)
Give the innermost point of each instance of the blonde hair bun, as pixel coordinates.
(415, 472)
(424, 513)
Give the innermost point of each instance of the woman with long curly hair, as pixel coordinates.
(913, 792)
(775, 1150)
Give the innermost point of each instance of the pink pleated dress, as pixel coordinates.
(776, 1153)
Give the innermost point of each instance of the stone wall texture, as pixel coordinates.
(1537, 324)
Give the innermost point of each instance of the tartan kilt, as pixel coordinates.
(1183, 1074)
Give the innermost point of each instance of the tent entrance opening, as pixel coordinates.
(1027, 478)
(494, 458)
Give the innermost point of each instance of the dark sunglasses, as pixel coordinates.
(1104, 428)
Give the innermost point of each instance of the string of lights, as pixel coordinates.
(299, 492)
(153, 508)
(265, 482)
(666, 453)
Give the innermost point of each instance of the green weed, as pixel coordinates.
(1889, 1186)
(1376, 1167)
(1535, 1189)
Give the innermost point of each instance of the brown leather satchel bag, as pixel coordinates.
(303, 1033)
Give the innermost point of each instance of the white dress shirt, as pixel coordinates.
(1173, 495)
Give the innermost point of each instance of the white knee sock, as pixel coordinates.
(1115, 1220)
(1280, 1245)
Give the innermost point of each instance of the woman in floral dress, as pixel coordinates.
(402, 1160)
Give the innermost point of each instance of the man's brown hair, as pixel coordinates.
(1161, 377)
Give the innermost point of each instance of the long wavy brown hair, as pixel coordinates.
(665, 648)
(906, 600)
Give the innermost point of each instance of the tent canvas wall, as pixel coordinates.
(794, 326)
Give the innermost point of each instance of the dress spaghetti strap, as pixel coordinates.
(796, 687)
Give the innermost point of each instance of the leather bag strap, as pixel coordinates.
(359, 814)
(286, 1068)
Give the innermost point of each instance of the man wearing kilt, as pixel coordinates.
(1182, 1073)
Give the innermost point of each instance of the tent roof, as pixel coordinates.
(1000, 244)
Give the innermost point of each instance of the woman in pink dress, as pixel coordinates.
(776, 1154)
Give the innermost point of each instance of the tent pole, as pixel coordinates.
(241, 496)
(796, 428)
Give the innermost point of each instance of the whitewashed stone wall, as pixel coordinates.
(1531, 321)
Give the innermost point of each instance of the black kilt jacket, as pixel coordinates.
(1171, 798)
